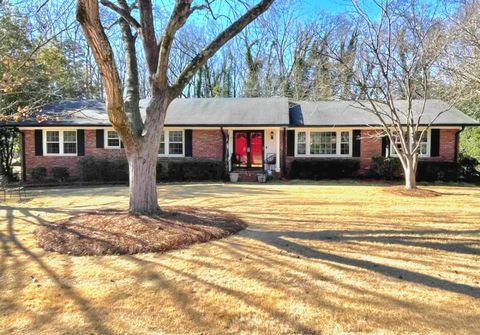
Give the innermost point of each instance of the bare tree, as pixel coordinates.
(397, 56)
(142, 137)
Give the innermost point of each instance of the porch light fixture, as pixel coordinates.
(271, 135)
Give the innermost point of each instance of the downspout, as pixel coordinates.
(457, 143)
(224, 150)
(224, 144)
(24, 165)
(283, 152)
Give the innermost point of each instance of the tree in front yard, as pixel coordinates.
(397, 57)
(141, 137)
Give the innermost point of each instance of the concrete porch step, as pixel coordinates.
(247, 175)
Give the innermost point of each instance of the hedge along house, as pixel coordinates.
(246, 134)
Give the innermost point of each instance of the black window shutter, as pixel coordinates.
(290, 142)
(385, 144)
(80, 142)
(356, 143)
(435, 142)
(100, 138)
(188, 143)
(38, 142)
(121, 144)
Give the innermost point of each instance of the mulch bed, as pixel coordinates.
(111, 232)
(416, 193)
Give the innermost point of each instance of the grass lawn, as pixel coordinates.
(322, 258)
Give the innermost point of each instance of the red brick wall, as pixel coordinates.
(207, 143)
(447, 146)
(370, 146)
(32, 161)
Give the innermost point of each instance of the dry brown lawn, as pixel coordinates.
(315, 259)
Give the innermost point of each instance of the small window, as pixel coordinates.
(301, 143)
(161, 150)
(113, 140)
(175, 142)
(345, 143)
(59, 142)
(69, 142)
(423, 147)
(53, 142)
(423, 143)
(171, 143)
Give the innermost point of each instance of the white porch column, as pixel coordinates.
(277, 150)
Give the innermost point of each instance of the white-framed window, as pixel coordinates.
(301, 142)
(161, 150)
(112, 140)
(60, 142)
(323, 143)
(344, 143)
(424, 150)
(172, 143)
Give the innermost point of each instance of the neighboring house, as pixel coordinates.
(245, 133)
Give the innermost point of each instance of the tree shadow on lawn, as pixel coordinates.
(12, 248)
(19, 261)
(281, 240)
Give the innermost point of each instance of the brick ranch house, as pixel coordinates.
(247, 134)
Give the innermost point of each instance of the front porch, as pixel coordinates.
(254, 149)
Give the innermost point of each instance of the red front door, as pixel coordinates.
(248, 149)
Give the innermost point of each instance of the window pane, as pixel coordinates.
(315, 142)
(323, 143)
(161, 150)
(423, 148)
(175, 136)
(301, 148)
(53, 136)
(424, 136)
(69, 136)
(113, 142)
(53, 148)
(69, 148)
(175, 148)
(301, 137)
(301, 143)
(345, 143)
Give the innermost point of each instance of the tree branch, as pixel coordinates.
(201, 58)
(179, 16)
(89, 18)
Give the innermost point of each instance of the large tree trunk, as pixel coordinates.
(143, 187)
(410, 173)
(142, 155)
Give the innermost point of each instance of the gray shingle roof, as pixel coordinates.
(349, 113)
(245, 112)
(228, 112)
(181, 112)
